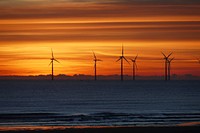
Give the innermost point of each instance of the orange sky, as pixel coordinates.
(30, 28)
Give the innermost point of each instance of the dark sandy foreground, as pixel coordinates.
(101, 129)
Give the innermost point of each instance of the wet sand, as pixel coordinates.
(101, 129)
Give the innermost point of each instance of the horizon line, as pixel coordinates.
(97, 75)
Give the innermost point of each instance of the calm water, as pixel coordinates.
(99, 103)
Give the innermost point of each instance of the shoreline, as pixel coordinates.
(181, 128)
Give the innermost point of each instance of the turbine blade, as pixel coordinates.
(98, 60)
(50, 63)
(56, 60)
(131, 59)
(169, 55)
(52, 53)
(118, 59)
(164, 55)
(136, 57)
(122, 49)
(171, 59)
(126, 59)
(94, 55)
(136, 66)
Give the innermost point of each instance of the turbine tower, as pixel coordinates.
(169, 67)
(95, 66)
(51, 63)
(134, 66)
(121, 58)
(166, 61)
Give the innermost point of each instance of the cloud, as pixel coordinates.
(153, 2)
(62, 9)
(133, 2)
(106, 31)
(146, 26)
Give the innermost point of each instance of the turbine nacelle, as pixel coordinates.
(52, 58)
(122, 56)
(134, 61)
(166, 57)
(95, 58)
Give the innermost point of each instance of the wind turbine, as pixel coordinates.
(121, 58)
(166, 61)
(51, 63)
(95, 66)
(134, 66)
(169, 67)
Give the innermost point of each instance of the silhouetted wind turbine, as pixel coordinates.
(121, 58)
(51, 63)
(95, 66)
(169, 67)
(166, 61)
(134, 66)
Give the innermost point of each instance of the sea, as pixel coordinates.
(98, 103)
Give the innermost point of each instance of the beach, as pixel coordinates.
(101, 129)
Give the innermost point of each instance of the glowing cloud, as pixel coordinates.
(73, 28)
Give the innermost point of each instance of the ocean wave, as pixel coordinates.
(101, 118)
